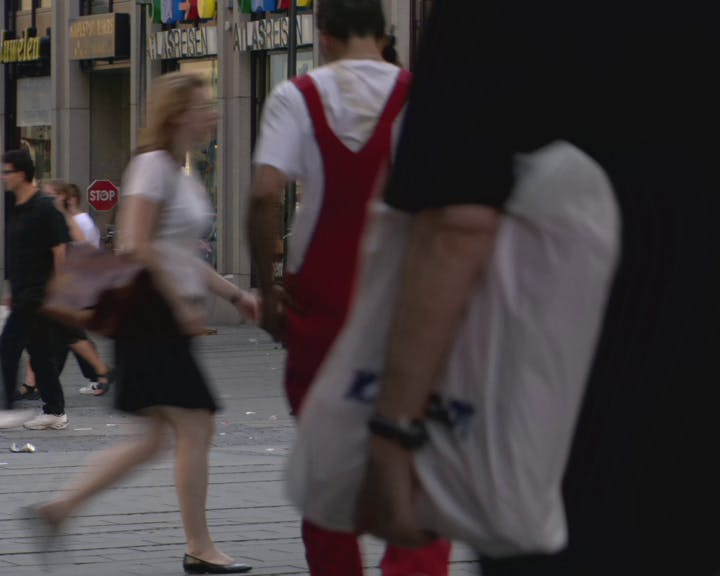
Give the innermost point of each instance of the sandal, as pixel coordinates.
(27, 392)
(101, 388)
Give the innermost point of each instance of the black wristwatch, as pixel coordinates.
(410, 434)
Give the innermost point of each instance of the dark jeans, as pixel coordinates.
(86, 368)
(26, 328)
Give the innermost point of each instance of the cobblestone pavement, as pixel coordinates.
(134, 528)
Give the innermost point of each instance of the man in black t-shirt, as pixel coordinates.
(36, 238)
(633, 85)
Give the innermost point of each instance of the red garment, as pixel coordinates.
(338, 553)
(322, 289)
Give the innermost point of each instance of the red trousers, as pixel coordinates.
(338, 554)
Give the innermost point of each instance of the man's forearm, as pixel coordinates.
(447, 252)
(263, 229)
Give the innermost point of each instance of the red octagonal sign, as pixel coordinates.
(103, 195)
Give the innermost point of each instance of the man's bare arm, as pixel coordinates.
(264, 224)
(448, 252)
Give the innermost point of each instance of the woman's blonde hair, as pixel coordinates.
(171, 95)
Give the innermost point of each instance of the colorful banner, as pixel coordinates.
(189, 9)
(207, 9)
(260, 6)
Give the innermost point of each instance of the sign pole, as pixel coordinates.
(291, 191)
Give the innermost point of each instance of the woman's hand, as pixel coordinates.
(248, 305)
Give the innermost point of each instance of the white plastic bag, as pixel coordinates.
(515, 380)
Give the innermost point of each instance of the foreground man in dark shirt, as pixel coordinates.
(631, 84)
(36, 236)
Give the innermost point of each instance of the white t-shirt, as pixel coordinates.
(185, 215)
(354, 94)
(86, 224)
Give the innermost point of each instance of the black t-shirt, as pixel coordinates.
(500, 77)
(34, 229)
(632, 83)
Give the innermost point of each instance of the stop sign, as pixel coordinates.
(103, 195)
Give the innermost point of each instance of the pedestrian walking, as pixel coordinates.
(82, 230)
(641, 489)
(163, 212)
(37, 236)
(334, 131)
(73, 204)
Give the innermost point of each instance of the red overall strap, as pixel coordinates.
(323, 285)
(324, 134)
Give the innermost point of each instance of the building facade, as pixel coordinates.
(76, 75)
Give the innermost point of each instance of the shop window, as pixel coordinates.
(27, 5)
(34, 121)
(419, 13)
(99, 6)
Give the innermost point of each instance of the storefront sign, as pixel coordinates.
(272, 33)
(183, 43)
(21, 49)
(100, 37)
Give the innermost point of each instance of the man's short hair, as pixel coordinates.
(21, 161)
(342, 19)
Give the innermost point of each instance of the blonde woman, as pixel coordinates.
(163, 212)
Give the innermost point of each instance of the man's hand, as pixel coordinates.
(385, 506)
(274, 312)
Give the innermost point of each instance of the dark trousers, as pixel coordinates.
(26, 328)
(86, 368)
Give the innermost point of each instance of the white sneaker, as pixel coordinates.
(44, 421)
(91, 388)
(14, 418)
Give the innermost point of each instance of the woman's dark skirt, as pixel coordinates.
(155, 364)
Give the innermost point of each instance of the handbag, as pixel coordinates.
(96, 289)
(502, 416)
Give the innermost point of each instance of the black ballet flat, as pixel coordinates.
(193, 565)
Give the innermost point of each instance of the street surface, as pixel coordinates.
(134, 528)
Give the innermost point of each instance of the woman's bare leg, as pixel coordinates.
(29, 374)
(106, 468)
(194, 430)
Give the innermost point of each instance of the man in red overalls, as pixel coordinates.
(333, 130)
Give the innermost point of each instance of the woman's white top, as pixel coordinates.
(87, 225)
(185, 214)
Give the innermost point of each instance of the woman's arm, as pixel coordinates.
(246, 303)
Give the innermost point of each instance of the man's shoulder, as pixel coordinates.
(42, 203)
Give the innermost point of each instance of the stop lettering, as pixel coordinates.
(103, 195)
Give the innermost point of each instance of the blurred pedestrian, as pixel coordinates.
(334, 130)
(163, 212)
(82, 230)
(641, 488)
(37, 236)
(73, 204)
